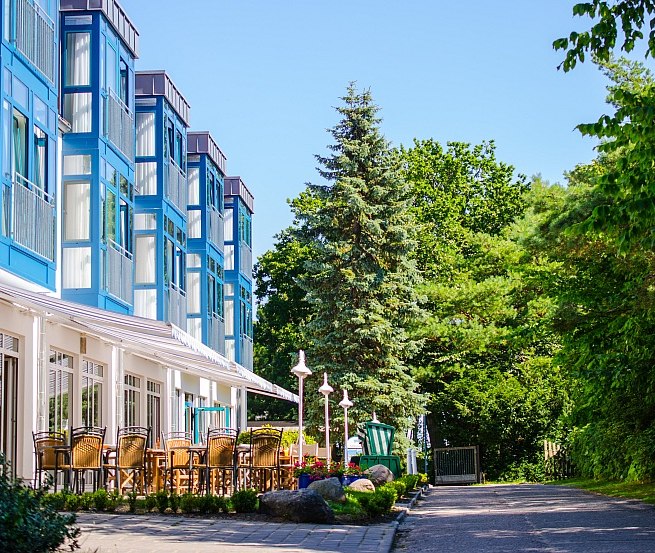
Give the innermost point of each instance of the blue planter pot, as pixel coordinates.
(303, 481)
(347, 480)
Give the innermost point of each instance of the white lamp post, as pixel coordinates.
(346, 404)
(326, 390)
(301, 371)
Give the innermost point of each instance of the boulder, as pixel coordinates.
(329, 489)
(362, 485)
(296, 505)
(379, 474)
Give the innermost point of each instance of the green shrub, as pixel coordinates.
(399, 486)
(410, 481)
(174, 502)
(244, 501)
(87, 501)
(131, 501)
(56, 501)
(151, 502)
(161, 498)
(28, 522)
(73, 501)
(188, 503)
(100, 500)
(423, 478)
(380, 502)
(221, 504)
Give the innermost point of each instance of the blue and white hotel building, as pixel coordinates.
(125, 264)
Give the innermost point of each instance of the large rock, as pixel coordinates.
(379, 474)
(329, 489)
(362, 485)
(296, 505)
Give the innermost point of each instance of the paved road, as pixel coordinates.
(104, 533)
(525, 518)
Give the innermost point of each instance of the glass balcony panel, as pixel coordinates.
(120, 126)
(35, 37)
(176, 306)
(245, 259)
(217, 334)
(33, 217)
(119, 272)
(176, 186)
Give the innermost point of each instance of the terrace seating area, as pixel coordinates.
(222, 462)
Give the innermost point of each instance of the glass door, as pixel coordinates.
(8, 407)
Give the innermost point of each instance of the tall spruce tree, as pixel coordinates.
(361, 280)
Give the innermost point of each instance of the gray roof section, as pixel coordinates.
(158, 83)
(234, 186)
(115, 15)
(202, 142)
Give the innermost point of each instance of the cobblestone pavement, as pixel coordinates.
(104, 533)
(525, 518)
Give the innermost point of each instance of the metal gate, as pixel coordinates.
(457, 465)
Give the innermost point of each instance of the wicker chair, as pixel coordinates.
(220, 458)
(49, 454)
(86, 450)
(178, 460)
(130, 461)
(263, 465)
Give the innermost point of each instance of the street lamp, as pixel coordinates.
(301, 371)
(346, 404)
(326, 390)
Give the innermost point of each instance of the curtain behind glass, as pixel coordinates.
(145, 270)
(145, 134)
(20, 135)
(77, 210)
(40, 158)
(78, 59)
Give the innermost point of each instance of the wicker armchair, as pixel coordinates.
(130, 462)
(178, 460)
(50, 453)
(86, 450)
(220, 460)
(262, 469)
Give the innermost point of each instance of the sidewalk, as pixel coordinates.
(106, 533)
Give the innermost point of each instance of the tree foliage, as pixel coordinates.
(615, 20)
(361, 280)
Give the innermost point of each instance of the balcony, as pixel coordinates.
(31, 213)
(120, 126)
(245, 260)
(119, 272)
(176, 306)
(216, 228)
(35, 37)
(217, 333)
(176, 186)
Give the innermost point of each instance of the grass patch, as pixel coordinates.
(643, 491)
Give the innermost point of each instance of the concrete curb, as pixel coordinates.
(387, 545)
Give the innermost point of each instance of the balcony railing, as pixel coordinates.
(35, 37)
(120, 126)
(217, 333)
(32, 217)
(216, 228)
(176, 306)
(119, 272)
(176, 186)
(246, 352)
(245, 259)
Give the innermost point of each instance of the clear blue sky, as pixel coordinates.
(264, 75)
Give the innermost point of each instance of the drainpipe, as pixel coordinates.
(41, 376)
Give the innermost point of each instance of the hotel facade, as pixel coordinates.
(125, 247)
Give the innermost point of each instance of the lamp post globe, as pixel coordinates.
(302, 372)
(326, 390)
(346, 404)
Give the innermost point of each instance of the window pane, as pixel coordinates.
(77, 111)
(229, 258)
(40, 177)
(111, 215)
(229, 317)
(194, 223)
(78, 59)
(145, 221)
(146, 178)
(145, 134)
(77, 210)
(145, 270)
(229, 233)
(77, 165)
(19, 131)
(193, 293)
(77, 267)
(194, 186)
(145, 303)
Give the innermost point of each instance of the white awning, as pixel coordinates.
(157, 341)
